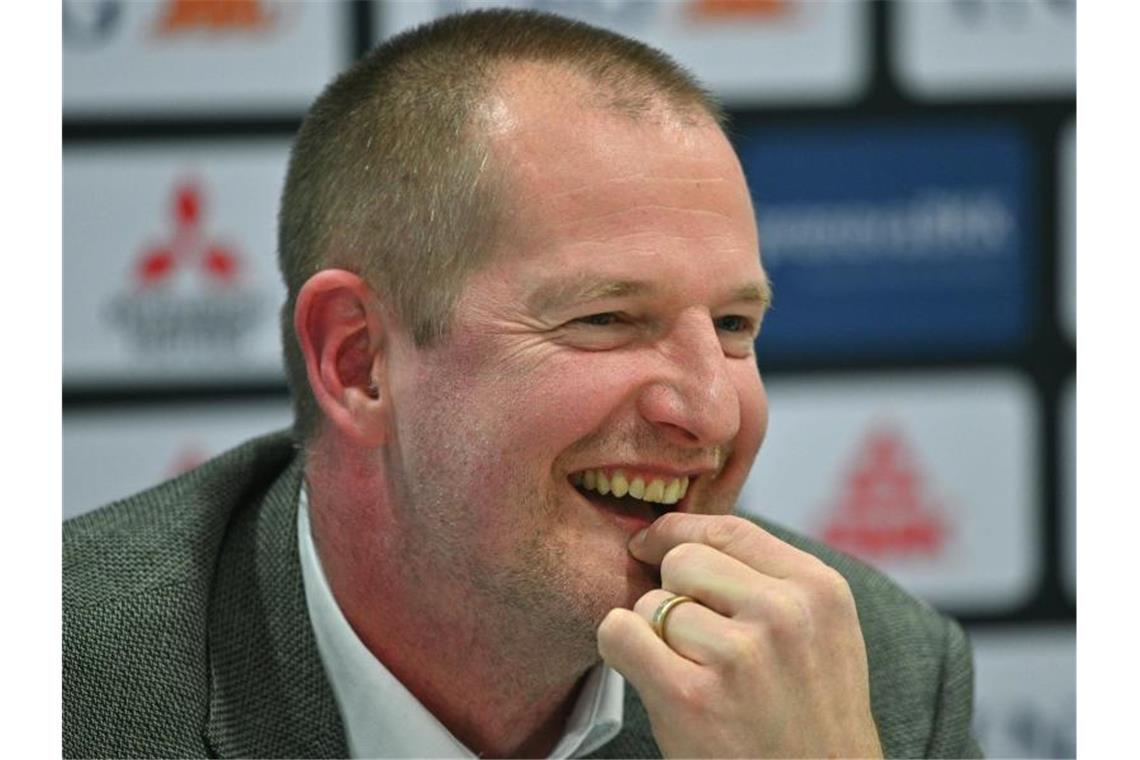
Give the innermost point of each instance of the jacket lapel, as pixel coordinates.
(269, 694)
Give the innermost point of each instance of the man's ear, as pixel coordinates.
(342, 332)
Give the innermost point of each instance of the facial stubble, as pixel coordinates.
(511, 576)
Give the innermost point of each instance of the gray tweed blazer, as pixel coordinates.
(185, 631)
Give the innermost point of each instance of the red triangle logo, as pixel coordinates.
(188, 244)
(882, 510)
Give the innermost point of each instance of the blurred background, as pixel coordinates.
(913, 166)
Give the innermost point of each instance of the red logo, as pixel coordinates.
(214, 16)
(187, 297)
(882, 510)
(188, 246)
(738, 10)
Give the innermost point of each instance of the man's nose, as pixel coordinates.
(691, 397)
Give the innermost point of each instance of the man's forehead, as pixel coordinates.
(541, 120)
(532, 96)
(580, 184)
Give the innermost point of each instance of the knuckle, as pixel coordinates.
(647, 603)
(829, 589)
(678, 557)
(607, 629)
(729, 529)
(791, 620)
(613, 626)
(615, 632)
(743, 646)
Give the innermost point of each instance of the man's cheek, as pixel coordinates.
(564, 409)
(753, 413)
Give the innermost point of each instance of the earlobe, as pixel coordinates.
(341, 331)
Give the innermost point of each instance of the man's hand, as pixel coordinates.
(768, 662)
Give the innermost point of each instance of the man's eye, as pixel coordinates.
(604, 319)
(734, 323)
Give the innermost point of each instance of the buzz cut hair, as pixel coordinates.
(390, 175)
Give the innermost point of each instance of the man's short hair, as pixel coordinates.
(389, 176)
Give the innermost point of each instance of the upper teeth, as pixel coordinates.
(657, 490)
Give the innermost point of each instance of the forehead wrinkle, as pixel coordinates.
(587, 216)
(639, 193)
(635, 179)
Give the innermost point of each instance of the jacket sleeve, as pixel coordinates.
(952, 735)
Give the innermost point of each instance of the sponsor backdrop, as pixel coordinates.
(907, 238)
(169, 269)
(913, 166)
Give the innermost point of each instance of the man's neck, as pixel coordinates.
(492, 691)
(487, 703)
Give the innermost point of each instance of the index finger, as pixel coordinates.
(735, 536)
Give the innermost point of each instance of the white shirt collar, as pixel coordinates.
(383, 719)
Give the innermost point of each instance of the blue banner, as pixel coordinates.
(892, 241)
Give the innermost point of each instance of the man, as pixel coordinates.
(524, 285)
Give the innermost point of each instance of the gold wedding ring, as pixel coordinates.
(662, 612)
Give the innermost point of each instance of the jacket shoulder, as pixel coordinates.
(158, 537)
(919, 661)
(137, 577)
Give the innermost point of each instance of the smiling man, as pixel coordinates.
(524, 288)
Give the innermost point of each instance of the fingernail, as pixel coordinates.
(638, 539)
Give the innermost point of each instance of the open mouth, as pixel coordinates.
(643, 497)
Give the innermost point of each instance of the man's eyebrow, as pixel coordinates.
(560, 293)
(760, 292)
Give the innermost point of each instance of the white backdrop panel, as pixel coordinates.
(183, 57)
(930, 477)
(1025, 692)
(1001, 48)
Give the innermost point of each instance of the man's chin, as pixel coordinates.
(636, 580)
